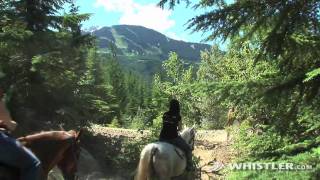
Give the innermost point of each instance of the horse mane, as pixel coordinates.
(48, 135)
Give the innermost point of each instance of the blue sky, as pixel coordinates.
(144, 13)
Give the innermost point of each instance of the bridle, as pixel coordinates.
(73, 147)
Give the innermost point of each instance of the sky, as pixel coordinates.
(145, 13)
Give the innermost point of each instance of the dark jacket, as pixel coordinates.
(170, 126)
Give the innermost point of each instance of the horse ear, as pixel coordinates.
(61, 127)
(79, 134)
(193, 127)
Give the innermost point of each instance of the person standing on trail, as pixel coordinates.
(169, 133)
(231, 117)
(12, 153)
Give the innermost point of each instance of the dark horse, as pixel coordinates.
(53, 148)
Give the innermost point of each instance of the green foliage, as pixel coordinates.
(41, 55)
(312, 74)
(222, 78)
(288, 124)
(131, 148)
(269, 73)
(173, 67)
(115, 123)
(116, 80)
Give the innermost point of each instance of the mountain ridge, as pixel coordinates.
(132, 40)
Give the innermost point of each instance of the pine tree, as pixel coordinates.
(287, 31)
(44, 64)
(116, 79)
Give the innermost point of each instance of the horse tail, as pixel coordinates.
(145, 167)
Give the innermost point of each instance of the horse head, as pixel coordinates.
(188, 134)
(60, 148)
(69, 162)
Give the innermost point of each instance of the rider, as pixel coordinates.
(12, 153)
(169, 132)
(231, 116)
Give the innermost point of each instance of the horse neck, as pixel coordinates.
(48, 149)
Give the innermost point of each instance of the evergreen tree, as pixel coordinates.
(96, 93)
(44, 64)
(116, 79)
(287, 31)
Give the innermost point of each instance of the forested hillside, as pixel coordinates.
(137, 40)
(142, 50)
(55, 76)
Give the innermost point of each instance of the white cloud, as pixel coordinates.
(133, 13)
(116, 5)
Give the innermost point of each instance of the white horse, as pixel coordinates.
(164, 160)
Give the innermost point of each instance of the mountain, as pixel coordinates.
(140, 41)
(142, 50)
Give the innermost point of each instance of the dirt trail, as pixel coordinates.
(210, 145)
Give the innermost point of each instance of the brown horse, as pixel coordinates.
(53, 148)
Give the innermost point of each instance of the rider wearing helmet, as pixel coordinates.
(12, 153)
(169, 132)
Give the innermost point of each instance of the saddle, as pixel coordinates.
(9, 173)
(177, 149)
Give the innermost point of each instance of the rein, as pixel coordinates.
(73, 148)
(191, 141)
(74, 153)
(180, 155)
